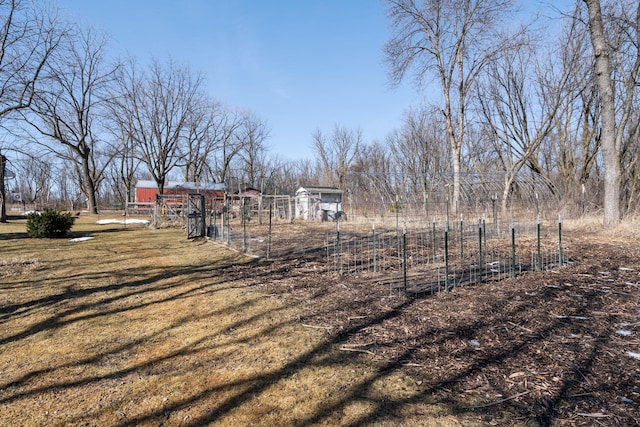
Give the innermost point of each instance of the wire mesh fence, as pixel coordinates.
(443, 256)
(402, 250)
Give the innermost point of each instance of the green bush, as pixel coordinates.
(49, 223)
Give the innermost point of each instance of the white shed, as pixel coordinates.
(318, 203)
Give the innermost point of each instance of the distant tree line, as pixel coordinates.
(81, 129)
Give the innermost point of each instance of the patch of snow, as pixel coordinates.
(474, 343)
(627, 400)
(623, 332)
(557, 316)
(575, 336)
(81, 239)
(633, 354)
(625, 269)
(123, 221)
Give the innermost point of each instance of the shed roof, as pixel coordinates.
(246, 188)
(319, 190)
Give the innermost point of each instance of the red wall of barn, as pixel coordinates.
(149, 194)
(146, 194)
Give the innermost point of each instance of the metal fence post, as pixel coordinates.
(539, 255)
(338, 249)
(461, 237)
(513, 248)
(446, 256)
(244, 224)
(404, 259)
(270, 225)
(480, 261)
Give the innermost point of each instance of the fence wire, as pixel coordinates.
(406, 253)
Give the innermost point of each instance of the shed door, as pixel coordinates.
(195, 216)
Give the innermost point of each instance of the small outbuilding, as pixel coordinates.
(318, 203)
(146, 190)
(245, 199)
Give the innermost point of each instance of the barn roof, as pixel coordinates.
(184, 185)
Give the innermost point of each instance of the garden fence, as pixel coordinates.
(404, 252)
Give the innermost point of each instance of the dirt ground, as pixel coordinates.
(559, 347)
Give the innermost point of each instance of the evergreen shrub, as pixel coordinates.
(49, 223)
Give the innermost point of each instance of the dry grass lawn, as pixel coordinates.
(141, 327)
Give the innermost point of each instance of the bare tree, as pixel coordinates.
(34, 179)
(158, 107)
(608, 59)
(451, 41)
(336, 154)
(29, 35)
(569, 154)
(519, 101)
(610, 151)
(69, 110)
(252, 135)
(286, 176)
(122, 169)
(372, 175)
(418, 149)
(201, 138)
(227, 143)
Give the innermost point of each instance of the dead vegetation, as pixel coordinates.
(13, 266)
(142, 327)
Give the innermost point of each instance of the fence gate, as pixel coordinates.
(195, 216)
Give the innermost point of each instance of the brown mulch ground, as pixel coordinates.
(560, 347)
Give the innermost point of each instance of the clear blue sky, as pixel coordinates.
(300, 65)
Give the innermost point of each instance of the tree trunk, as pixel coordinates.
(91, 191)
(610, 152)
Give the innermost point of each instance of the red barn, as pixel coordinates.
(146, 190)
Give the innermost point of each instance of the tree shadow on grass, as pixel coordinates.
(192, 348)
(450, 342)
(114, 292)
(540, 406)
